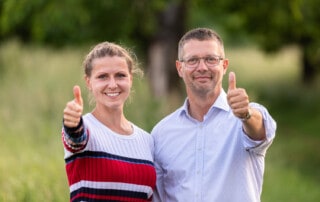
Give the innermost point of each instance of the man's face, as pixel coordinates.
(202, 78)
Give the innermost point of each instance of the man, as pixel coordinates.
(213, 147)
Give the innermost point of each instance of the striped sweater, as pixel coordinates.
(102, 165)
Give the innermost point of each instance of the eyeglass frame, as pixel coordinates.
(205, 60)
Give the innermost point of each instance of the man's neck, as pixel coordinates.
(198, 106)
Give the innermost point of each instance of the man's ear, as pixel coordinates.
(179, 67)
(225, 65)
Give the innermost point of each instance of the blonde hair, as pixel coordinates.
(111, 49)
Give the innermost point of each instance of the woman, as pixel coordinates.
(107, 157)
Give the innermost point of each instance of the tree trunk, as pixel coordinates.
(162, 52)
(311, 63)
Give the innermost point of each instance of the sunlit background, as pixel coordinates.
(273, 47)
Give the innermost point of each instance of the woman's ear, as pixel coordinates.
(88, 82)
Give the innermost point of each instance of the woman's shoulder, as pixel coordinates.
(139, 130)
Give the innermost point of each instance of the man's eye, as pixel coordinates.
(212, 60)
(192, 60)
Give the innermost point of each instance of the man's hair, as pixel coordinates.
(201, 34)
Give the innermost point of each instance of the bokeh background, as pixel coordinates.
(273, 47)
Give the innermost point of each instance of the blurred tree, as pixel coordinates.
(61, 22)
(154, 27)
(273, 24)
(162, 52)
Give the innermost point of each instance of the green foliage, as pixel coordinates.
(273, 24)
(60, 22)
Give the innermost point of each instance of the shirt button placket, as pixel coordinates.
(199, 161)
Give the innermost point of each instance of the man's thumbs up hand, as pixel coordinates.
(238, 99)
(73, 111)
(232, 81)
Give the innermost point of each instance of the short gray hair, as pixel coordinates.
(200, 34)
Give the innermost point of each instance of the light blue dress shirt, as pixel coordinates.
(209, 161)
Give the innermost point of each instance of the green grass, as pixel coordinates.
(36, 83)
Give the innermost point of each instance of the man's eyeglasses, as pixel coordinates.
(210, 61)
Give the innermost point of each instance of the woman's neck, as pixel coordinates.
(114, 119)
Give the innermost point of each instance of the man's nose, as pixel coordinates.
(202, 65)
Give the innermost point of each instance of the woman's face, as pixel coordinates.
(110, 82)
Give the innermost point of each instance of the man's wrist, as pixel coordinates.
(247, 116)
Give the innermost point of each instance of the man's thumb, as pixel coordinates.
(77, 95)
(232, 81)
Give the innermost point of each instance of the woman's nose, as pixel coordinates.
(112, 83)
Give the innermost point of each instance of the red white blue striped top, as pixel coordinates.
(102, 165)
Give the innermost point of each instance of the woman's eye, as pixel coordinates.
(102, 76)
(120, 75)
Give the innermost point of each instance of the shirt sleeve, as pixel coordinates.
(260, 147)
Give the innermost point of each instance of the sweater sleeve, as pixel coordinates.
(75, 139)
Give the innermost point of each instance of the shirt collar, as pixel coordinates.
(220, 103)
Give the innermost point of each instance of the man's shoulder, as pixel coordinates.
(168, 120)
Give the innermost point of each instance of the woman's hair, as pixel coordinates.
(111, 49)
(201, 34)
